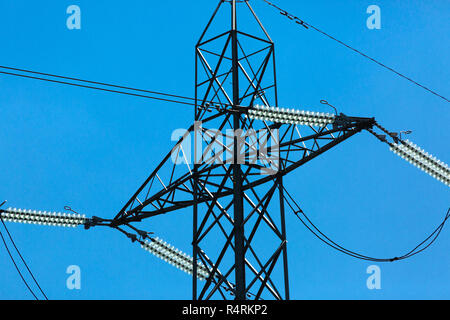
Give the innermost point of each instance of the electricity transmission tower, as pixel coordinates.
(238, 207)
(234, 184)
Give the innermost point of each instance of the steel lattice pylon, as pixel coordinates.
(243, 146)
(239, 230)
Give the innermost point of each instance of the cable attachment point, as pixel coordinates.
(341, 121)
(395, 137)
(381, 137)
(144, 234)
(132, 236)
(92, 222)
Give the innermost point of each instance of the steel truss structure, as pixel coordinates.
(228, 167)
(237, 203)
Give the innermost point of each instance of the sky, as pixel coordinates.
(91, 150)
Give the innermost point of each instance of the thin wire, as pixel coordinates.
(23, 260)
(96, 88)
(15, 265)
(307, 25)
(321, 236)
(103, 84)
(96, 82)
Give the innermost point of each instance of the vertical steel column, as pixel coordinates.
(283, 234)
(195, 184)
(195, 239)
(238, 202)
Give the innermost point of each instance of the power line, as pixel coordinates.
(96, 82)
(307, 26)
(325, 239)
(95, 88)
(174, 98)
(17, 268)
(23, 260)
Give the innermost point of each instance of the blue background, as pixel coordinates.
(70, 146)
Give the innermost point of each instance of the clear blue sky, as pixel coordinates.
(91, 150)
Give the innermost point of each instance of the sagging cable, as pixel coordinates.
(304, 219)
